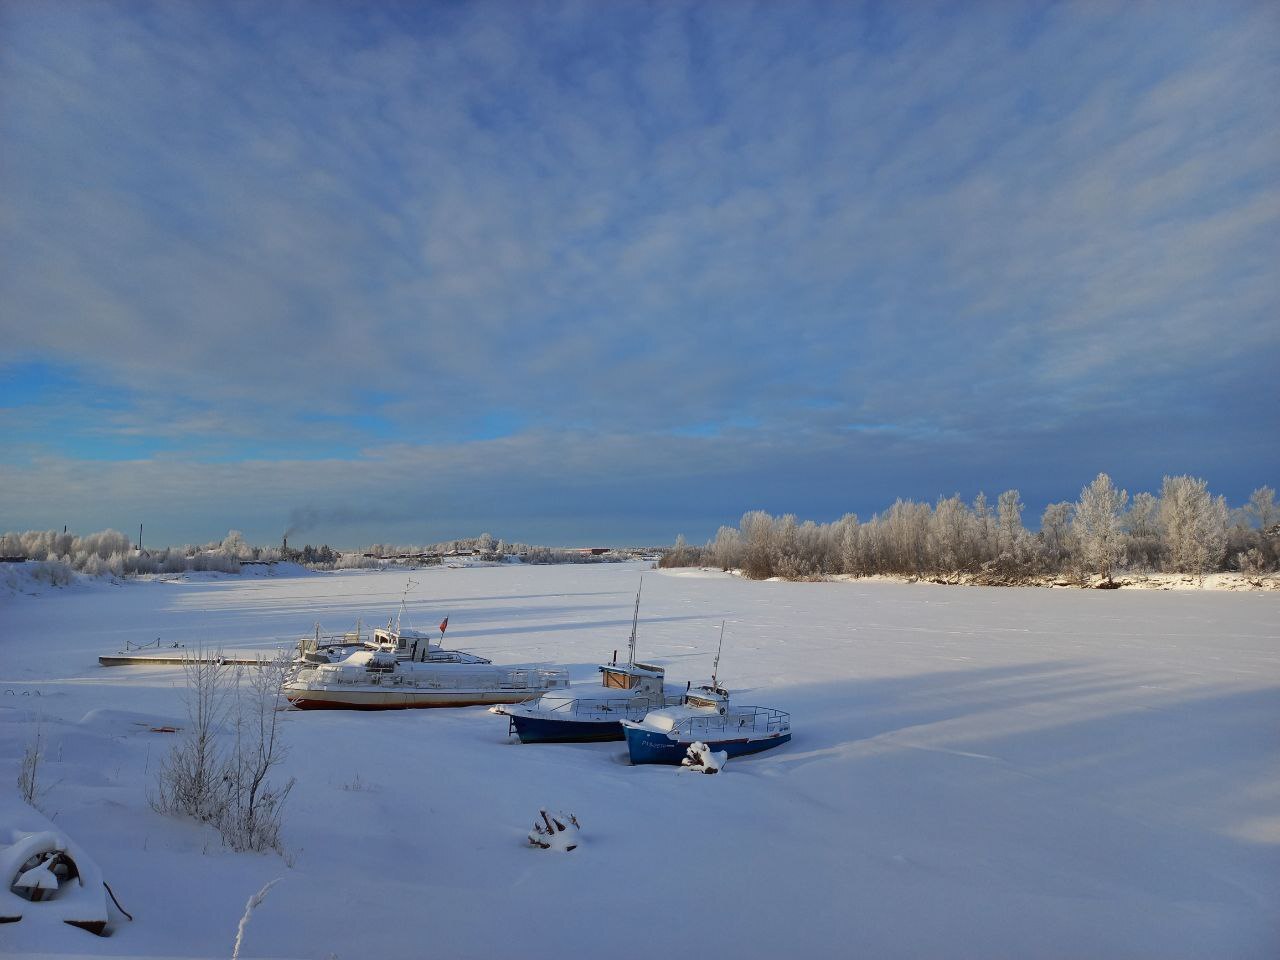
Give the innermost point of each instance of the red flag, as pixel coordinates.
(444, 625)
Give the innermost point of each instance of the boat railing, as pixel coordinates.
(739, 721)
(520, 678)
(614, 708)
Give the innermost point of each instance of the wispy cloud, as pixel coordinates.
(299, 233)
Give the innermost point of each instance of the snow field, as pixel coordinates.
(974, 772)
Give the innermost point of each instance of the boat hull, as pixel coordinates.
(652, 746)
(545, 730)
(357, 699)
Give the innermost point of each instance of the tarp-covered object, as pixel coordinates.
(47, 877)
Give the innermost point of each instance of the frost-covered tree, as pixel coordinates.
(785, 557)
(815, 546)
(1263, 550)
(757, 536)
(849, 540)
(1194, 523)
(1142, 532)
(726, 550)
(984, 529)
(1096, 526)
(906, 530)
(680, 555)
(1262, 508)
(1010, 534)
(951, 535)
(233, 545)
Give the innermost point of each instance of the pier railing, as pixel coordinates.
(155, 644)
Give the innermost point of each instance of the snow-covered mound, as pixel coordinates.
(36, 577)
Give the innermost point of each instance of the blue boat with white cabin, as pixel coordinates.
(591, 713)
(705, 715)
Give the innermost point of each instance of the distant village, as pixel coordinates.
(111, 552)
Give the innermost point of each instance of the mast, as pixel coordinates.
(715, 667)
(411, 583)
(635, 620)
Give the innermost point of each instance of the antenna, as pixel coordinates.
(635, 620)
(715, 667)
(411, 583)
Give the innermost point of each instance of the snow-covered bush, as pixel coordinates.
(356, 561)
(53, 572)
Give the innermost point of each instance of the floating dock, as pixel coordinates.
(177, 656)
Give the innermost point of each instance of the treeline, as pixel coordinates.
(110, 552)
(1185, 529)
(486, 547)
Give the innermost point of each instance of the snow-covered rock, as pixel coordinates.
(555, 831)
(702, 759)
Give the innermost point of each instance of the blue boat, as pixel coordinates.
(593, 713)
(705, 715)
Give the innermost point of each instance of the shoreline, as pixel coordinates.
(1233, 582)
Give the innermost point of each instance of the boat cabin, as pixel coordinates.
(640, 677)
(405, 644)
(707, 697)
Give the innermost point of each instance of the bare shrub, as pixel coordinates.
(223, 784)
(252, 817)
(29, 772)
(190, 780)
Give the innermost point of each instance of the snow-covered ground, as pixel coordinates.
(975, 772)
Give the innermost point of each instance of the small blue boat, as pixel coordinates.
(593, 713)
(705, 715)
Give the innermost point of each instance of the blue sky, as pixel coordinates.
(616, 271)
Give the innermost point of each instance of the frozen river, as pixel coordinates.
(975, 772)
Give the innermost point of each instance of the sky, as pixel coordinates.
(611, 272)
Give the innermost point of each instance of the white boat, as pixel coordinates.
(398, 668)
(403, 642)
(380, 680)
